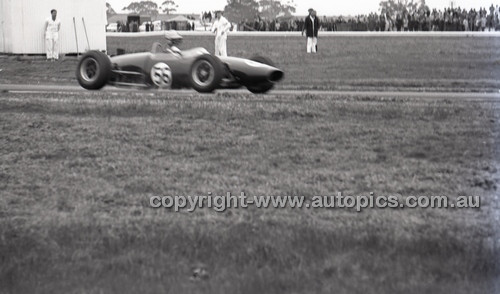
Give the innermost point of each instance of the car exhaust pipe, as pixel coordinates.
(275, 76)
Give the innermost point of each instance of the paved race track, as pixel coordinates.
(20, 88)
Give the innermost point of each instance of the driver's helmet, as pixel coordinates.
(173, 37)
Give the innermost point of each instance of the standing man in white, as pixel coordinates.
(221, 27)
(52, 26)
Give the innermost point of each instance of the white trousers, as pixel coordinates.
(220, 45)
(52, 45)
(311, 44)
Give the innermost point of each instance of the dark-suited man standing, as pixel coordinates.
(311, 27)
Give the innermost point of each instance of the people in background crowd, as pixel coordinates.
(424, 19)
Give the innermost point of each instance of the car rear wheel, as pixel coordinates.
(205, 74)
(262, 87)
(94, 70)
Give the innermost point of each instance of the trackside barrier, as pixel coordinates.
(321, 34)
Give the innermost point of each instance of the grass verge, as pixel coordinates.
(77, 173)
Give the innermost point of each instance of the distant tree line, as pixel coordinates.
(235, 10)
(146, 8)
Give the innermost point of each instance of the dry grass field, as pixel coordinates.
(343, 63)
(77, 171)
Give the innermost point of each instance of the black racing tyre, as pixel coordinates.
(94, 70)
(263, 87)
(205, 74)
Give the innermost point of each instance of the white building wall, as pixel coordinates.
(22, 24)
(2, 42)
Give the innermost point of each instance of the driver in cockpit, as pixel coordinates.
(173, 39)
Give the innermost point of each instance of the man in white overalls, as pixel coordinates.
(52, 26)
(221, 27)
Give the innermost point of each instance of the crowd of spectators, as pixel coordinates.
(424, 19)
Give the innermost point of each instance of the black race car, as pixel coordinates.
(168, 67)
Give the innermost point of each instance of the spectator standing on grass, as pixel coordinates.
(466, 24)
(382, 22)
(52, 27)
(483, 22)
(399, 22)
(441, 21)
(430, 20)
(491, 19)
(455, 23)
(477, 22)
(435, 20)
(422, 21)
(470, 20)
(388, 23)
(311, 27)
(447, 21)
(497, 20)
(220, 27)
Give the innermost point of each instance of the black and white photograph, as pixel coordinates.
(249, 146)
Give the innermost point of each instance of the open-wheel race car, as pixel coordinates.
(168, 67)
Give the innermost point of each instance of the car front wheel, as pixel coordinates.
(94, 70)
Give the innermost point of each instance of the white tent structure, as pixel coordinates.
(179, 18)
(22, 24)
